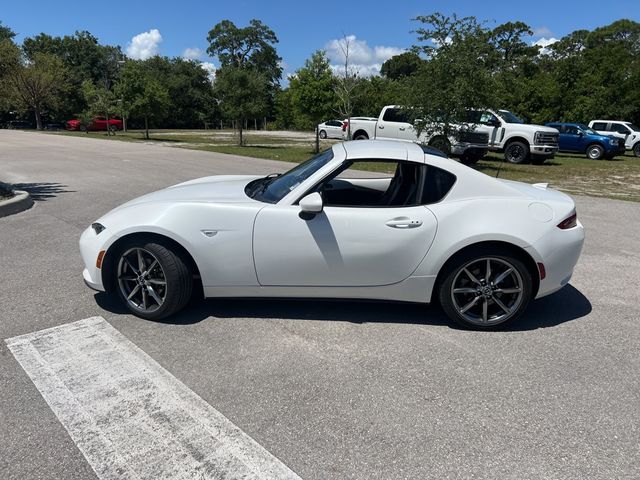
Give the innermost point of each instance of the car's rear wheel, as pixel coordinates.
(595, 152)
(636, 149)
(442, 144)
(485, 290)
(113, 128)
(152, 281)
(323, 134)
(516, 152)
(83, 128)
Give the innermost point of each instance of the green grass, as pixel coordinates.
(575, 174)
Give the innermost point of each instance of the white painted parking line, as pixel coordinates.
(129, 416)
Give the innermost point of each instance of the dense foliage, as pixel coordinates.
(455, 63)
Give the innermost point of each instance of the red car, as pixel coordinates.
(96, 124)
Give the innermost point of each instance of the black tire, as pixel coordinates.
(442, 144)
(176, 273)
(501, 261)
(83, 128)
(322, 134)
(595, 152)
(636, 149)
(516, 152)
(361, 136)
(113, 128)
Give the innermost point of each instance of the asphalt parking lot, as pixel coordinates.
(334, 390)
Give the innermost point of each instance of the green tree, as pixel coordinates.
(37, 85)
(100, 101)
(6, 33)
(84, 58)
(243, 93)
(457, 74)
(313, 98)
(246, 55)
(142, 93)
(400, 66)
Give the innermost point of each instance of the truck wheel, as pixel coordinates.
(636, 149)
(516, 152)
(361, 136)
(441, 144)
(595, 152)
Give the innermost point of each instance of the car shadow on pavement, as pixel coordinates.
(564, 306)
(42, 191)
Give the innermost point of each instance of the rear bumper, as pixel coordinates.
(559, 252)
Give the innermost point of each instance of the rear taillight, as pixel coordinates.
(344, 126)
(569, 222)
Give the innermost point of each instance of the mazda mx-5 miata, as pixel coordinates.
(429, 230)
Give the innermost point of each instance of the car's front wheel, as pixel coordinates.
(595, 152)
(152, 281)
(485, 290)
(516, 152)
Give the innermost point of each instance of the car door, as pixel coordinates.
(486, 122)
(570, 139)
(341, 246)
(394, 126)
(334, 129)
(621, 131)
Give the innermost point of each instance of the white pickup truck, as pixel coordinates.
(625, 130)
(392, 124)
(519, 141)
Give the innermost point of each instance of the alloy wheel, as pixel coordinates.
(142, 280)
(487, 291)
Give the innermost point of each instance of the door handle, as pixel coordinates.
(381, 127)
(403, 223)
(401, 129)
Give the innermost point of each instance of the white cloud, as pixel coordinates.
(543, 43)
(192, 53)
(210, 68)
(144, 45)
(542, 32)
(363, 59)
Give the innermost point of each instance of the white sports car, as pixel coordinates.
(431, 230)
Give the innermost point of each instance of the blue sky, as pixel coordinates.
(301, 26)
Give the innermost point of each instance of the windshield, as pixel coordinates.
(509, 117)
(587, 130)
(272, 189)
(633, 127)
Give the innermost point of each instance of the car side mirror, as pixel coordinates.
(580, 133)
(311, 205)
(496, 123)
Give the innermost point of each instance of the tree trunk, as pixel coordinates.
(106, 115)
(38, 118)
(146, 127)
(124, 123)
(255, 124)
(317, 139)
(241, 140)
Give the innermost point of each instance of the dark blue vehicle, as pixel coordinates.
(579, 138)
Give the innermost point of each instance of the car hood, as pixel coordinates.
(216, 189)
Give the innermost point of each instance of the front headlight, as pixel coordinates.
(613, 141)
(97, 227)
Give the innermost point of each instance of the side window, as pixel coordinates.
(619, 128)
(571, 130)
(437, 184)
(488, 118)
(395, 115)
(334, 123)
(385, 184)
(600, 126)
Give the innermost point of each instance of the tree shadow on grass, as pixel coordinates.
(564, 306)
(42, 191)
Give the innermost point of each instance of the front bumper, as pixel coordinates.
(460, 148)
(544, 150)
(90, 246)
(559, 251)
